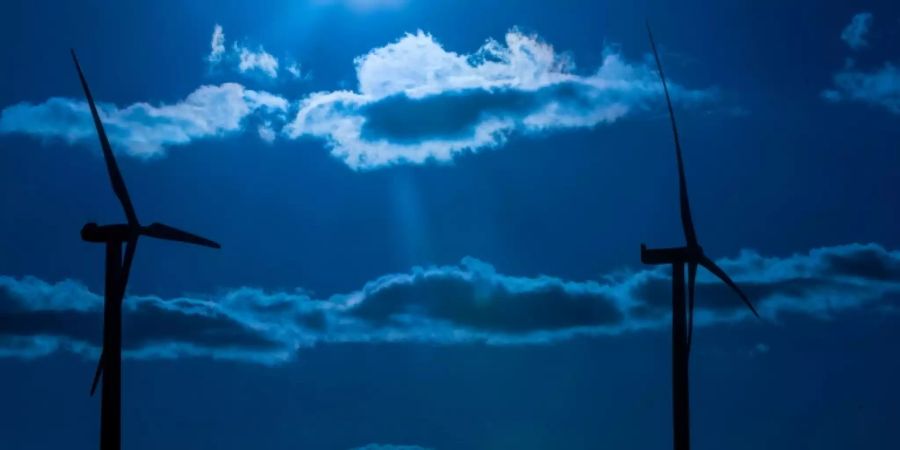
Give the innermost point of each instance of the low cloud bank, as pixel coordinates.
(463, 303)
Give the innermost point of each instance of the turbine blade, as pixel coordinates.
(161, 231)
(115, 177)
(687, 222)
(717, 271)
(130, 248)
(97, 374)
(692, 277)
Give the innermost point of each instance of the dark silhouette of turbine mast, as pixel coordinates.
(114, 236)
(683, 317)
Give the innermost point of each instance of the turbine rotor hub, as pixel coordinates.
(92, 232)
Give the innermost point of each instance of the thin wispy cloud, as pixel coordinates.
(217, 45)
(417, 102)
(296, 70)
(854, 33)
(245, 59)
(142, 129)
(462, 303)
(256, 60)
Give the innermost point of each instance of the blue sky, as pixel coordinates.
(431, 214)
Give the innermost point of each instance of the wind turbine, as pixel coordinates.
(114, 236)
(683, 318)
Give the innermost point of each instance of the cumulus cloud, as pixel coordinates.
(142, 129)
(880, 87)
(855, 32)
(416, 101)
(462, 303)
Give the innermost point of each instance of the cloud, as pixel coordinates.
(417, 102)
(880, 87)
(855, 32)
(294, 70)
(266, 132)
(142, 129)
(463, 303)
(258, 60)
(297, 71)
(246, 60)
(217, 45)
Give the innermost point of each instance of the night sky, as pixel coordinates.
(431, 215)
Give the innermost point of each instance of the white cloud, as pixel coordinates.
(295, 70)
(217, 45)
(414, 102)
(142, 129)
(245, 59)
(522, 85)
(855, 32)
(266, 132)
(258, 60)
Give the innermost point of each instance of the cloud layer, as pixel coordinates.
(462, 303)
(416, 101)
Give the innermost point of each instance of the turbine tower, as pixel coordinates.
(683, 317)
(117, 269)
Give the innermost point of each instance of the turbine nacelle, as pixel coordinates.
(91, 232)
(672, 255)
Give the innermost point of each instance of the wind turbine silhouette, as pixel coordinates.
(691, 255)
(117, 270)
